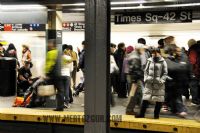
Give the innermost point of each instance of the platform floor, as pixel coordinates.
(77, 106)
(167, 122)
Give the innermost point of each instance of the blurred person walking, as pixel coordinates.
(173, 89)
(187, 74)
(53, 72)
(129, 50)
(136, 75)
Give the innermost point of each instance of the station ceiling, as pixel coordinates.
(78, 5)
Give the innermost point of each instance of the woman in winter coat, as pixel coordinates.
(155, 75)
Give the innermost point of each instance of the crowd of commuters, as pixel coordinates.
(163, 75)
(60, 70)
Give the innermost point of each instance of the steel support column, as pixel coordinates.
(97, 65)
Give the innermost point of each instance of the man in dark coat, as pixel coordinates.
(174, 85)
(186, 75)
(119, 59)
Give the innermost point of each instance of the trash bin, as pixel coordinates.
(8, 76)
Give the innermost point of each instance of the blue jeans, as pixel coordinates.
(67, 85)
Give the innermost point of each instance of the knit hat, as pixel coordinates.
(139, 46)
(129, 49)
(191, 42)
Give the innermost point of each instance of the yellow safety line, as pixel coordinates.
(75, 118)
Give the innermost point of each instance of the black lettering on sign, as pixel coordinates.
(153, 17)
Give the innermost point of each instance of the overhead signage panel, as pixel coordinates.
(154, 17)
(22, 27)
(74, 26)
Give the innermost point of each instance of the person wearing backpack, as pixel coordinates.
(155, 75)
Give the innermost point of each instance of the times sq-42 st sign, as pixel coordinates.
(153, 17)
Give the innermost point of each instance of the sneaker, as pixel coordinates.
(66, 106)
(195, 102)
(165, 108)
(182, 114)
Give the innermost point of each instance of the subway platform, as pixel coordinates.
(167, 123)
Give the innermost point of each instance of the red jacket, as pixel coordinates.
(194, 57)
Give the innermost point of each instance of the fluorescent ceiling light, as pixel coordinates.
(150, 7)
(21, 7)
(76, 4)
(128, 2)
(78, 9)
(124, 2)
(145, 7)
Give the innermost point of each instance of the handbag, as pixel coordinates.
(46, 90)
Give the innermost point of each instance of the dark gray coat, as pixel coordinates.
(155, 75)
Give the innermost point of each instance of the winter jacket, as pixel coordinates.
(178, 72)
(53, 64)
(81, 64)
(194, 57)
(185, 69)
(135, 67)
(155, 75)
(119, 58)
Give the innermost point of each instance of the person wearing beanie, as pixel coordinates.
(135, 78)
(129, 49)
